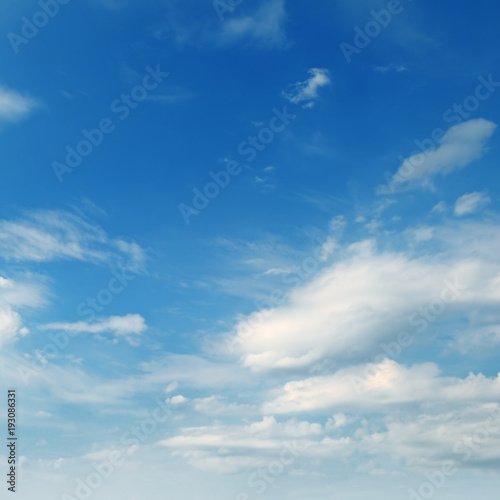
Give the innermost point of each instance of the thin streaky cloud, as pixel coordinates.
(49, 235)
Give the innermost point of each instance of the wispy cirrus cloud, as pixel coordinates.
(265, 27)
(471, 203)
(308, 89)
(48, 235)
(459, 147)
(260, 26)
(15, 106)
(246, 446)
(479, 338)
(128, 327)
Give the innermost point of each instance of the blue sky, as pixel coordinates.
(249, 249)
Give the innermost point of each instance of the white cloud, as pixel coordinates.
(338, 421)
(10, 324)
(177, 400)
(338, 224)
(265, 27)
(380, 386)
(422, 233)
(214, 405)
(328, 248)
(440, 208)
(104, 454)
(368, 296)
(461, 145)
(14, 106)
(344, 308)
(71, 383)
(171, 387)
(22, 293)
(391, 67)
(483, 338)
(128, 326)
(260, 24)
(468, 437)
(47, 235)
(308, 89)
(466, 237)
(192, 371)
(15, 296)
(43, 414)
(244, 447)
(373, 226)
(278, 272)
(471, 203)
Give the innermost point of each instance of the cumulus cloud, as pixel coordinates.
(460, 146)
(308, 89)
(349, 308)
(15, 296)
(471, 203)
(10, 324)
(14, 106)
(48, 235)
(380, 386)
(452, 413)
(177, 400)
(367, 296)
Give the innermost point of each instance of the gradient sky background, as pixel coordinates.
(270, 318)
